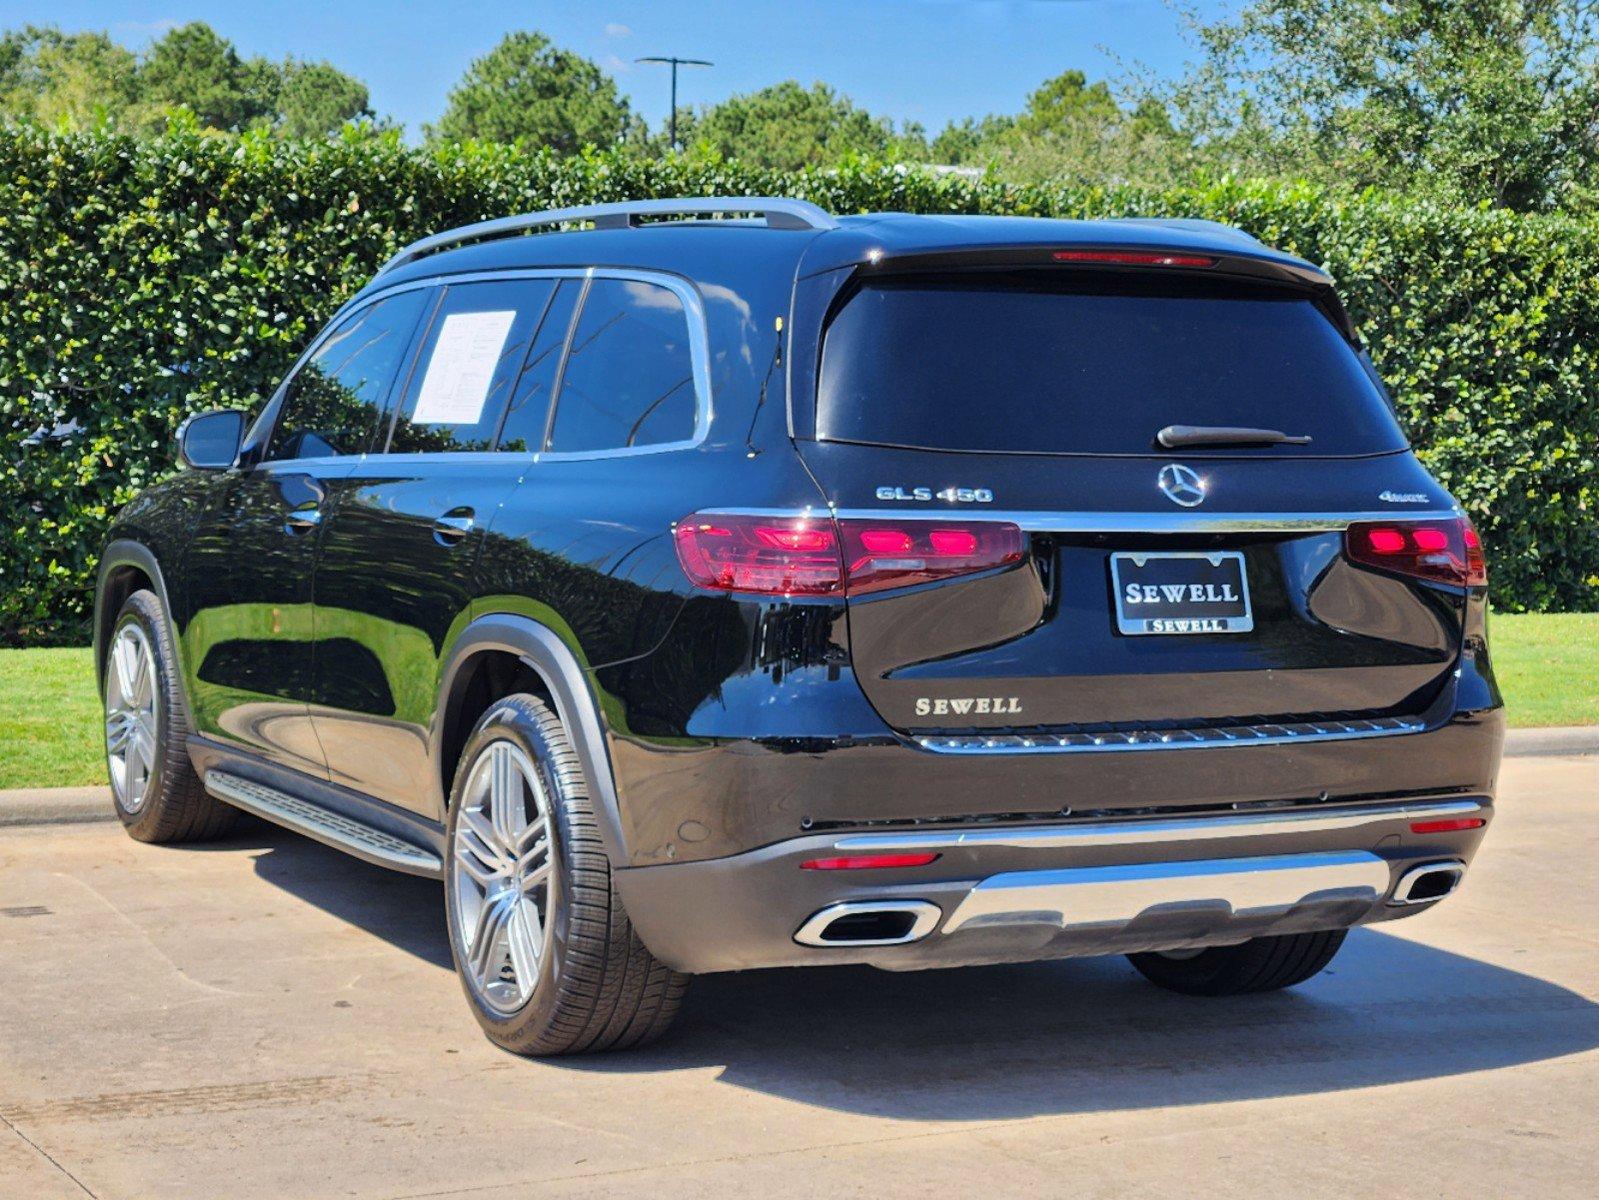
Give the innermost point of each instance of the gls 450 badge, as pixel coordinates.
(925, 495)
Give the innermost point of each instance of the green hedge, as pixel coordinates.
(146, 280)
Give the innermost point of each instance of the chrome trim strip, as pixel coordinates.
(780, 213)
(926, 913)
(1146, 831)
(1274, 734)
(328, 827)
(1185, 521)
(693, 308)
(1084, 898)
(1407, 882)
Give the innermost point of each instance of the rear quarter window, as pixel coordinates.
(628, 380)
(1091, 365)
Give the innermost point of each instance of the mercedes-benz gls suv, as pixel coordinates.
(710, 584)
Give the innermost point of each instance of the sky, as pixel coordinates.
(920, 60)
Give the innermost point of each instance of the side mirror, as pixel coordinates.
(210, 441)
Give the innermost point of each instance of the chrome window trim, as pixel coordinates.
(683, 289)
(1159, 831)
(274, 404)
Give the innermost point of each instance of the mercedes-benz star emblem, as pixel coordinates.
(1182, 485)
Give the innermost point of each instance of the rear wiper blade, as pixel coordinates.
(1175, 436)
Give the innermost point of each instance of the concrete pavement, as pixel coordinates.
(266, 1018)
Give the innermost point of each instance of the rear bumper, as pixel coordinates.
(1057, 890)
(719, 799)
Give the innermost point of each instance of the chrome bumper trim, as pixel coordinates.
(1171, 739)
(1083, 898)
(1144, 831)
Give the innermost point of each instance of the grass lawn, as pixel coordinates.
(50, 734)
(50, 715)
(1548, 666)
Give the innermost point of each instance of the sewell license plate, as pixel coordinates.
(1178, 592)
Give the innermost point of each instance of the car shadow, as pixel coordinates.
(980, 1043)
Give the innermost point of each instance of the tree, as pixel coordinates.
(528, 88)
(314, 99)
(786, 127)
(193, 67)
(970, 140)
(1493, 101)
(1070, 127)
(80, 79)
(56, 78)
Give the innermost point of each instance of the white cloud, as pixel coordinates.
(617, 30)
(615, 65)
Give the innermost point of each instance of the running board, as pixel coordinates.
(328, 827)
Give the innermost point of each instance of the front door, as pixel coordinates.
(250, 637)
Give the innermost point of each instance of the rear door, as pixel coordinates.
(395, 576)
(1161, 590)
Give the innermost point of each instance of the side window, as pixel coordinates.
(336, 398)
(530, 401)
(468, 365)
(629, 379)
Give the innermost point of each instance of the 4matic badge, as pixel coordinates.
(926, 495)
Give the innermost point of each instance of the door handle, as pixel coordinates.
(303, 495)
(300, 520)
(451, 529)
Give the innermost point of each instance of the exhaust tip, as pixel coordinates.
(1429, 882)
(870, 923)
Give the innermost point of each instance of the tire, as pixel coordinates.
(157, 793)
(1261, 965)
(546, 910)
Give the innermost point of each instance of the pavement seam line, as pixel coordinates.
(47, 1156)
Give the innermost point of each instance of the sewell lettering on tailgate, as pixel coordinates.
(942, 706)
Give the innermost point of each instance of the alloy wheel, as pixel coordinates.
(501, 870)
(131, 720)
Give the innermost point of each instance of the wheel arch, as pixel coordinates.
(125, 567)
(484, 653)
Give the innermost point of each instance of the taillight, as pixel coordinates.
(891, 554)
(1446, 551)
(787, 556)
(816, 556)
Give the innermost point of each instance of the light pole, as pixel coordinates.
(675, 64)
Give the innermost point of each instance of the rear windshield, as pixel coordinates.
(1020, 365)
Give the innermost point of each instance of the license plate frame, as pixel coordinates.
(1188, 615)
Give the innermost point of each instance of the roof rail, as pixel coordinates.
(780, 213)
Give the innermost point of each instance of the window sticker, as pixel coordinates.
(462, 367)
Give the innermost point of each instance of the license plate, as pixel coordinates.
(1176, 592)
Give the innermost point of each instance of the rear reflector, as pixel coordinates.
(1448, 825)
(868, 862)
(1134, 258)
(1446, 551)
(817, 556)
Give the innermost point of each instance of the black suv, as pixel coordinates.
(710, 584)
